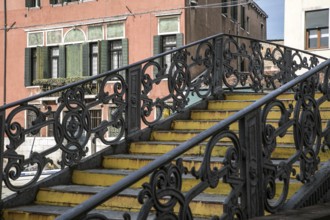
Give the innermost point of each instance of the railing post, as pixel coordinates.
(133, 108)
(218, 67)
(288, 65)
(2, 144)
(251, 166)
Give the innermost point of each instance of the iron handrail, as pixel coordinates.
(166, 158)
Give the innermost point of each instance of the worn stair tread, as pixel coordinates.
(128, 172)
(58, 210)
(155, 142)
(195, 158)
(204, 197)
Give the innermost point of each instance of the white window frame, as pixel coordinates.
(75, 42)
(166, 17)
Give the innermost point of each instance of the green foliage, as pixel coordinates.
(56, 82)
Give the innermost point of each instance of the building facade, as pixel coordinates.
(307, 25)
(54, 42)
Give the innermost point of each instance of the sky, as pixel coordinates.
(275, 20)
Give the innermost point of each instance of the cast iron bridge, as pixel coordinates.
(232, 128)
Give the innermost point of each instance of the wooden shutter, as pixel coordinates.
(86, 59)
(28, 67)
(104, 56)
(62, 72)
(43, 63)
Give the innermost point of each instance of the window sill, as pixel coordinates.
(318, 49)
(34, 8)
(224, 15)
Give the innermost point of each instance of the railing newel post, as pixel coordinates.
(252, 163)
(133, 100)
(218, 67)
(2, 148)
(288, 65)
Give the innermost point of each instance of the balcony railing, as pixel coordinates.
(203, 69)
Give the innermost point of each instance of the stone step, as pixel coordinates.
(50, 212)
(204, 205)
(240, 104)
(184, 135)
(135, 162)
(282, 151)
(205, 124)
(107, 177)
(223, 114)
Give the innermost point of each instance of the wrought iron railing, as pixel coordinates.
(204, 68)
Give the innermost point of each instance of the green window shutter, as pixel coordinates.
(45, 69)
(157, 50)
(179, 40)
(104, 56)
(74, 60)
(28, 67)
(42, 62)
(124, 43)
(86, 59)
(62, 72)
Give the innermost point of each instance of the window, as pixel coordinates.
(95, 118)
(317, 29)
(224, 9)
(243, 17)
(234, 11)
(50, 128)
(168, 43)
(115, 51)
(54, 2)
(32, 3)
(94, 60)
(54, 61)
(30, 118)
(113, 131)
(247, 24)
(262, 31)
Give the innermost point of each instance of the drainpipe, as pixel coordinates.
(5, 52)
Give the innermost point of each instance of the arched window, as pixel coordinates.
(74, 35)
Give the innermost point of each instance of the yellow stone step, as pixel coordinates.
(134, 162)
(183, 135)
(159, 148)
(50, 212)
(240, 104)
(104, 177)
(220, 115)
(199, 125)
(204, 205)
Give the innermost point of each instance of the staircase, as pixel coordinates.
(53, 201)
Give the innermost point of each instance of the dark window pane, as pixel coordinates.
(324, 37)
(312, 39)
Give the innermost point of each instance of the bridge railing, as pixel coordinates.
(154, 87)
